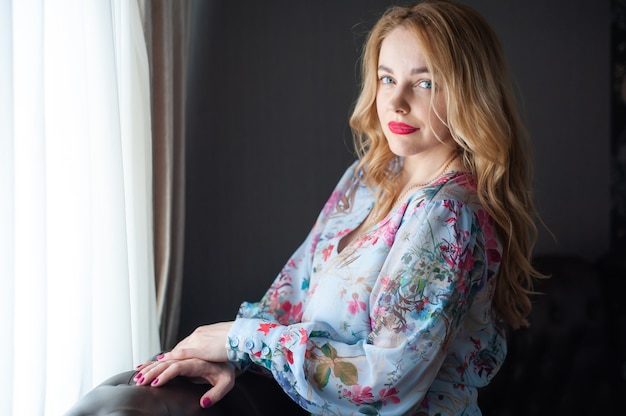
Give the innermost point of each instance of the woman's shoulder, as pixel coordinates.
(457, 186)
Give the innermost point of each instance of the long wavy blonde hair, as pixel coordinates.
(468, 67)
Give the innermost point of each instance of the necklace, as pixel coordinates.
(421, 185)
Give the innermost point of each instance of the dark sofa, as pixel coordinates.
(571, 361)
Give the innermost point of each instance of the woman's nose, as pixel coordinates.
(398, 102)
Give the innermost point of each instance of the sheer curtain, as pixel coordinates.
(76, 258)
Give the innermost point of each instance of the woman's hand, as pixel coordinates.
(220, 375)
(207, 343)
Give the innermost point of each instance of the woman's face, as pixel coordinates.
(403, 100)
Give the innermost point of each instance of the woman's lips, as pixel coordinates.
(401, 128)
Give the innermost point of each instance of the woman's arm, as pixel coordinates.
(424, 290)
(283, 301)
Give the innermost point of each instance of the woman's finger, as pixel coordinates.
(148, 373)
(222, 380)
(144, 365)
(220, 375)
(166, 371)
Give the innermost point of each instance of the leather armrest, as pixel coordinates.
(253, 395)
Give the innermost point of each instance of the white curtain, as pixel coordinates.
(77, 297)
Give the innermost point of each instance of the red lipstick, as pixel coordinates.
(401, 128)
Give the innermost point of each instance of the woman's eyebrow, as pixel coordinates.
(414, 71)
(420, 70)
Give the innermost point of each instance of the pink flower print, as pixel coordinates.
(304, 336)
(286, 306)
(296, 312)
(377, 317)
(468, 182)
(289, 356)
(287, 311)
(284, 338)
(462, 287)
(387, 232)
(385, 281)
(467, 263)
(359, 394)
(274, 299)
(265, 328)
(451, 252)
(355, 304)
(378, 311)
(421, 305)
(477, 343)
(343, 232)
(461, 369)
(328, 251)
(389, 395)
(485, 222)
(490, 236)
(494, 256)
(316, 240)
(332, 202)
(282, 313)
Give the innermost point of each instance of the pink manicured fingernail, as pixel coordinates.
(138, 376)
(160, 356)
(155, 381)
(138, 367)
(206, 402)
(141, 380)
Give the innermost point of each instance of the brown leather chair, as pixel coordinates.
(253, 395)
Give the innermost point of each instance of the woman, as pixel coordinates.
(398, 300)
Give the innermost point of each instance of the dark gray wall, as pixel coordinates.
(271, 88)
(559, 53)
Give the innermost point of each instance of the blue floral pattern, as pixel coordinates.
(399, 322)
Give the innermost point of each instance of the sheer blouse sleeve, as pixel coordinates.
(435, 267)
(283, 301)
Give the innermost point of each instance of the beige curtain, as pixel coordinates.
(167, 26)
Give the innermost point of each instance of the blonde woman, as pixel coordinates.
(398, 300)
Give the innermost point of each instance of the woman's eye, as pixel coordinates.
(425, 84)
(386, 80)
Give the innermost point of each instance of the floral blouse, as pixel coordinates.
(397, 323)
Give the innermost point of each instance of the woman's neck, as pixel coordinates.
(420, 171)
